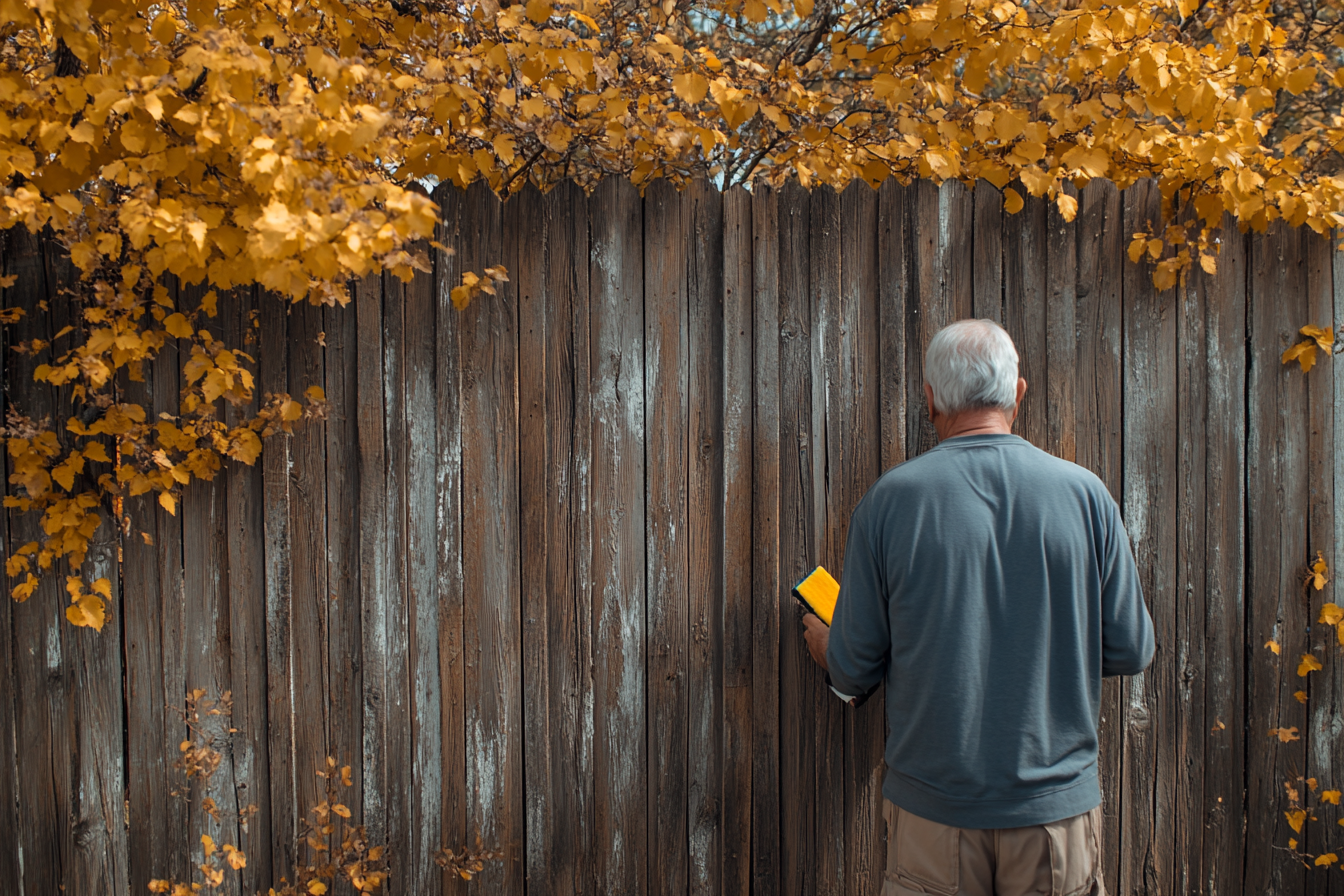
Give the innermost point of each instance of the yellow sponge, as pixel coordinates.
(819, 592)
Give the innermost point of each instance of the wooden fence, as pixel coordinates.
(529, 577)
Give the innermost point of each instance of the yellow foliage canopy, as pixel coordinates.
(286, 145)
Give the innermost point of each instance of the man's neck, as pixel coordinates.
(989, 421)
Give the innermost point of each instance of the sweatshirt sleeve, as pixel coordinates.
(1127, 641)
(860, 640)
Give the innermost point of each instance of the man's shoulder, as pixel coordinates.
(926, 471)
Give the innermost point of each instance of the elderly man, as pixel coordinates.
(992, 587)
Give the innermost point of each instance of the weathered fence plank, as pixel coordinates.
(1277, 540)
(735, 614)
(705, 535)
(530, 575)
(620, 748)
(767, 576)
(853, 463)
(1224, 572)
(1098, 405)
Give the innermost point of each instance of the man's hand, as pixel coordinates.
(817, 635)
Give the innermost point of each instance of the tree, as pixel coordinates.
(281, 144)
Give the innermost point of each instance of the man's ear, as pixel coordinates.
(928, 399)
(1021, 389)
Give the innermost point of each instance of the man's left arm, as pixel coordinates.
(860, 638)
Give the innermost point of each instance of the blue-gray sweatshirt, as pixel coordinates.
(993, 586)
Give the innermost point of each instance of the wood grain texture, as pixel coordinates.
(309, 597)
(822, 717)
(1026, 261)
(987, 252)
(620, 756)
(154, 611)
(276, 461)
(345, 731)
(1224, 573)
(893, 260)
(1277, 493)
(1098, 402)
(704, 276)
(425, 784)
(448, 517)
(1150, 486)
(209, 657)
(853, 463)
(374, 576)
(11, 860)
(492, 627)
(736, 613)
(246, 562)
(770, 606)
(1323, 717)
(666, 353)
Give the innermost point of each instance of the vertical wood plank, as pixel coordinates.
(800, 681)
(154, 609)
(204, 509)
(276, 465)
(246, 559)
(853, 462)
(345, 731)
(738, 435)
(987, 262)
(448, 515)
(619, 743)
(526, 210)
(1150, 487)
(704, 440)
(893, 259)
(309, 597)
(1323, 719)
(1224, 573)
(374, 577)
(956, 250)
(395, 606)
(1277, 538)
(558, 618)
(1061, 336)
(1025, 271)
(828, 341)
(1191, 736)
(44, 760)
(490, 550)
(11, 863)
(1098, 408)
(927, 311)
(425, 783)
(768, 587)
(665, 388)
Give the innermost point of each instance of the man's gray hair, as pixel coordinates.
(971, 364)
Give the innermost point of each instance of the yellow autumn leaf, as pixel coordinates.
(1012, 201)
(1303, 352)
(1308, 663)
(690, 86)
(1273, 646)
(1330, 796)
(1296, 817)
(316, 887)
(1286, 735)
(1326, 859)
(1331, 614)
(1300, 696)
(168, 502)
(87, 611)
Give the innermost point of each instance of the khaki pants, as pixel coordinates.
(1062, 858)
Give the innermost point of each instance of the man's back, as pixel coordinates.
(999, 582)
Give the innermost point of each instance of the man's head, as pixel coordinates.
(970, 379)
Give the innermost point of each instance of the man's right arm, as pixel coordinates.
(1127, 641)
